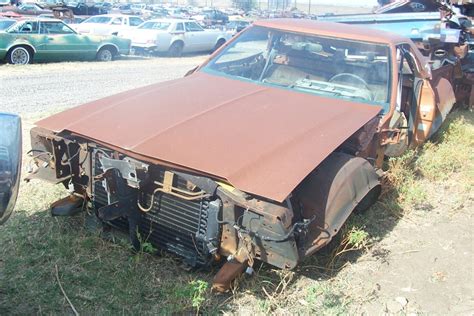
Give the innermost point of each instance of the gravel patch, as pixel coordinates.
(37, 89)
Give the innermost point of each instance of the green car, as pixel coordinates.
(53, 40)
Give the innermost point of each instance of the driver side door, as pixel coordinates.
(194, 37)
(62, 43)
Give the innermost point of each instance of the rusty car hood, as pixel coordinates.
(262, 140)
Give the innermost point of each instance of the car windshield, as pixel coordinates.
(155, 26)
(98, 19)
(314, 64)
(24, 27)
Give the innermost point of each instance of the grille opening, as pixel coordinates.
(173, 224)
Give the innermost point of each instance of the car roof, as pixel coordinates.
(171, 20)
(40, 19)
(332, 29)
(117, 15)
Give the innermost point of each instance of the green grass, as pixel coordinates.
(102, 276)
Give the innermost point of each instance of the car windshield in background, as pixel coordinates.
(314, 64)
(98, 19)
(155, 26)
(4, 24)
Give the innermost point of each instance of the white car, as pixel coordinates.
(108, 24)
(175, 36)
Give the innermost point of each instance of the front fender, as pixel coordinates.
(330, 194)
(23, 43)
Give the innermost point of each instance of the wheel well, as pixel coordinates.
(112, 48)
(27, 47)
(341, 184)
(221, 40)
(180, 42)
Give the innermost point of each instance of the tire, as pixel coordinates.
(219, 43)
(369, 199)
(176, 49)
(105, 54)
(19, 55)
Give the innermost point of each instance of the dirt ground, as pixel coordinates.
(420, 262)
(423, 265)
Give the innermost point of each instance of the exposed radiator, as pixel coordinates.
(173, 224)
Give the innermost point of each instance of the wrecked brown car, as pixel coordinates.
(261, 153)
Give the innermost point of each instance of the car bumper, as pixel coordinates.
(148, 48)
(125, 51)
(144, 46)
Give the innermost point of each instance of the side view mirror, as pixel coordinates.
(10, 163)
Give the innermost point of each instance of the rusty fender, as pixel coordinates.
(283, 234)
(340, 185)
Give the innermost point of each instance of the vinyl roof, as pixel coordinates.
(332, 29)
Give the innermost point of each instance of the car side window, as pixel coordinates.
(135, 21)
(28, 27)
(55, 28)
(193, 27)
(179, 27)
(117, 21)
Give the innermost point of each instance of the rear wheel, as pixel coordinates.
(105, 54)
(176, 49)
(219, 44)
(19, 55)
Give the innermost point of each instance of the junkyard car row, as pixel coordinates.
(50, 39)
(271, 166)
(177, 30)
(175, 36)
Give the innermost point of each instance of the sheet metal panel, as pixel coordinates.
(260, 139)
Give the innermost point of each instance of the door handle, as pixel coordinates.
(51, 38)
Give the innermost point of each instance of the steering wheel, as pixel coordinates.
(357, 78)
(346, 74)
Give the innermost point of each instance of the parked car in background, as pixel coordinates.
(67, 20)
(137, 8)
(179, 13)
(52, 40)
(174, 36)
(125, 8)
(32, 9)
(405, 6)
(4, 3)
(108, 24)
(86, 9)
(10, 15)
(210, 17)
(6, 23)
(51, 3)
(105, 6)
(158, 11)
(234, 27)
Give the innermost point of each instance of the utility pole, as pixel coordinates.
(309, 7)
